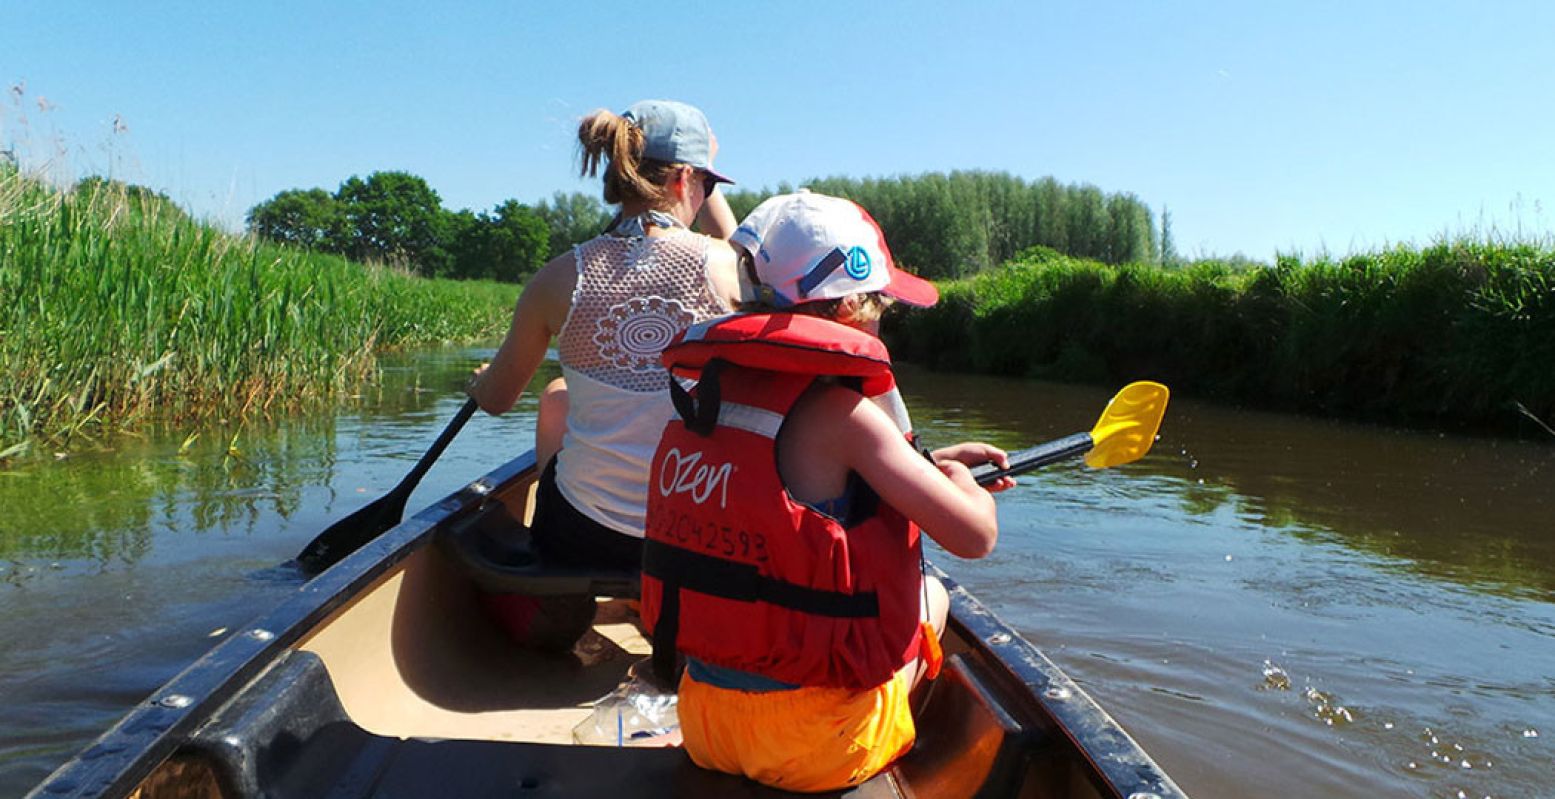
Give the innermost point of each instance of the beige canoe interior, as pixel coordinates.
(415, 656)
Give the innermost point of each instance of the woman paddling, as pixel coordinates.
(612, 304)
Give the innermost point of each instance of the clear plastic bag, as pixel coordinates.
(636, 713)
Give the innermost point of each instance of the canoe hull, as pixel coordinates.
(382, 675)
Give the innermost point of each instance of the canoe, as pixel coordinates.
(383, 677)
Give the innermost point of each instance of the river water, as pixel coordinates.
(1271, 605)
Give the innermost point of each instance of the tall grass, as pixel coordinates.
(1458, 334)
(115, 306)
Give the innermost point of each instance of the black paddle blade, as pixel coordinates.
(349, 534)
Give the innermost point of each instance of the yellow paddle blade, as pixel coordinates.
(1127, 427)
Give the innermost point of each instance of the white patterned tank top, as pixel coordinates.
(633, 294)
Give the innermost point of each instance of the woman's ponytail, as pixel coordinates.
(609, 137)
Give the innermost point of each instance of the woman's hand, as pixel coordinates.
(975, 453)
(473, 383)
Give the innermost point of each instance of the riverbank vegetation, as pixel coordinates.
(939, 225)
(1460, 334)
(116, 307)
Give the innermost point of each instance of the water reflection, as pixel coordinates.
(111, 505)
(116, 503)
(1474, 511)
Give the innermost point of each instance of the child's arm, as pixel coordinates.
(941, 497)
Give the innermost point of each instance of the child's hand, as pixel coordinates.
(958, 474)
(976, 453)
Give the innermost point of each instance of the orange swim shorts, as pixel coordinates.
(808, 739)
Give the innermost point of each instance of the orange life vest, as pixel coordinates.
(736, 572)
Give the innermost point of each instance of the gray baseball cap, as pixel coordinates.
(675, 133)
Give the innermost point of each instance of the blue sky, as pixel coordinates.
(1262, 126)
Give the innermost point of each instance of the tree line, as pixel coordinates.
(945, 226)
(942, 226)
(396, 218)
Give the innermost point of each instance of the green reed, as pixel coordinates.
(1457, 334)
(116, 307)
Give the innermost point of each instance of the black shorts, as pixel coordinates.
(563, 536)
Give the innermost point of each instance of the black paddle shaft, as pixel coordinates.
(349, 534)
(436, 450)
(1035, 457)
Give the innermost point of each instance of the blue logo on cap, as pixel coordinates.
(858, 266)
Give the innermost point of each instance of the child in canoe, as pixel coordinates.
(783, 554)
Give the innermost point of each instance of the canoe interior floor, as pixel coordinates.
(416, 657)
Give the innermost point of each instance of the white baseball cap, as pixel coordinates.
(809, 247)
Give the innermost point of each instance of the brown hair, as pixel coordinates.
(609, 137)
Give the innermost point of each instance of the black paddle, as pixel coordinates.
(1123, 434)
(349, 534)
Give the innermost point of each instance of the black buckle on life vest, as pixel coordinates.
(700, 413)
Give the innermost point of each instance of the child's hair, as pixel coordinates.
(867, 307)
(609, 137)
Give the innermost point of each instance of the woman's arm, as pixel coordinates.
(537, 317)
(723, 272)
(716, 219)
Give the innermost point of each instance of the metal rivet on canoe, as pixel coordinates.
(1059, 692)
(259, 634)
(1000, 638)
(480, 488)
(175, 701)
(1144, 795)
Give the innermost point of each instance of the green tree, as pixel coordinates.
(571, 218)
(952, 225)
(395, 217)
(304, 217)
(509, 244)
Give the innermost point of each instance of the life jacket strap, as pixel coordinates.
(683, 569)
(700, 413)
(665, 633)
